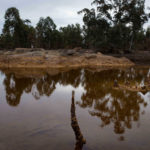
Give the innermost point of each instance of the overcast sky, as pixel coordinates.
(63, 12)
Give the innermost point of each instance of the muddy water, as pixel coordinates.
(77, 109)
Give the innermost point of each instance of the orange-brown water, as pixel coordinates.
(43, 112)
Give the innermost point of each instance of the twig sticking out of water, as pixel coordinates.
(80, 141)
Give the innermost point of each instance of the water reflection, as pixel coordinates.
(15, 87)
(41, 86)
(121, 108)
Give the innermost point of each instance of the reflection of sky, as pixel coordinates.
(2, 76)
(62, 90)
(148, 74)
(145, 97)
(2, 93)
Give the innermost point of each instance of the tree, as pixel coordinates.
(44, 31)
(148, 33)
(122, 13)
(115, 25)
(57, 39)
(29, 34)
(17, 32)
(1, 41)
(95, 28)
(13, 28)
(71, 36)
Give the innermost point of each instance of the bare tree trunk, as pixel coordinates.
(131, 43)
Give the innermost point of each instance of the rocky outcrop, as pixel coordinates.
(29, 58)
(24, 50)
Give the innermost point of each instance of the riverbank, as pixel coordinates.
(138, 58)
(40, 58)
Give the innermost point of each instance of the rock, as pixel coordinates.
(1, 52)
(116, 83)
(46, 57)
(143, 87)
(46, 52)
(37, 53)
(70, 52)
(90, 56)
(8, 53)
(127, 83)
(59, 59)
(24, 50)
(38, 49)
(121, 52)
(77, 48)
(99, 53)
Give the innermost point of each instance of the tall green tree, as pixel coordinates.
(123, 11)
(95, 29)
(115, 23)
(71, 36)
(1, 41)
(29, 34)
(13, 28)
(44, 32)
(17, 32)
(148, 33)
(123, 14)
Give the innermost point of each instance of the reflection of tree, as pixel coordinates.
(80, 141)
(15, 87)
(118, 110)
(71, 78)
(47, 84)
(40, 86)
(96, 85)
(121, 108)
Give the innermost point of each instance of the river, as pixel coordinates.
(74, 110)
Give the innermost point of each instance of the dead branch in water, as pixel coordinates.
(80, 141)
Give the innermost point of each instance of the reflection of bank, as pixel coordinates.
(80, 141)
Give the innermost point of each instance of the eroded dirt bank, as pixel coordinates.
(39, 58)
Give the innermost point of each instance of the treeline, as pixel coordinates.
(20, 33)
(109, 26)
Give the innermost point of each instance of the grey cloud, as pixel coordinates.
(63, 12)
